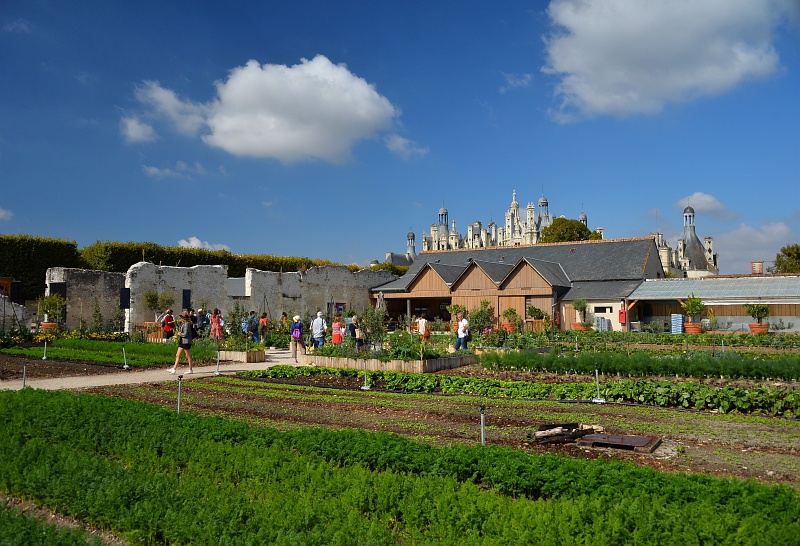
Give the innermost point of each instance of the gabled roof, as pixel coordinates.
(604, 260)
(448, 273)
(496, 271)
(552, 272)
(718, 290)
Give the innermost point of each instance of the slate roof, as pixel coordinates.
(602, 290)
(730, 290)
(562, 264)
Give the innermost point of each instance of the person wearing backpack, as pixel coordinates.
(296, 335)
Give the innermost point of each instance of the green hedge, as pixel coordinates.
(116, 256)
(26, 258)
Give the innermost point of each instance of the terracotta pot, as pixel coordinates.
(509, 327)
(757, 328)
(693, 328)
(579, 326)
(48, 326)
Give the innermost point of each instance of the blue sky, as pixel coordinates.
(331, 129)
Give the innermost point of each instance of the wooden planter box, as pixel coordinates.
(243, 356)
(373, 365)
(153, 331)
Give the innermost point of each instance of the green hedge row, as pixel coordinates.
(116, 256)
(154, 476)
(26, 258)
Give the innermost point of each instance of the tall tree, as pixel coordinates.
(563, 230)
(787, 260)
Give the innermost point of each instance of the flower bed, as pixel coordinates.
(407, 366)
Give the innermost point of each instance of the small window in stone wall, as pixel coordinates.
(602, 310)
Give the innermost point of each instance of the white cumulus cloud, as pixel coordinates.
(623, 57)
(133, 130)
(515, 81)
(746, 243)
(5, 214)
(706, 204)
(18, 25)
(181, 170)
(314, 110)
(403, 147)
(194, 242)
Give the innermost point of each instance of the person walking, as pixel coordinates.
(357, 332)
(216, 325)
(463, 332)
(263, 327)
(296, 330)
(422, 328)
(318, 329)
(187, 334)
(336, 330)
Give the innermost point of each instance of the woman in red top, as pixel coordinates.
(263, 326)
(336, 329)
(168, 324)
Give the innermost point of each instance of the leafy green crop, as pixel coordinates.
(154, 476)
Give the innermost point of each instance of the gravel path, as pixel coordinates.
(118, 376)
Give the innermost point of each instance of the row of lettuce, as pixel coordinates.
(777, 401)
(151, 475)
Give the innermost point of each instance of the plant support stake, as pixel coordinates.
(180, 384)
(217, 372)
(24, 372)
(598, 400)
(365, 386)
(44, 357)
(483, 424)
(124, 359)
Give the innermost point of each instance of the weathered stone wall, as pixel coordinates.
(318, 288)
(83, 287)
(12, 315)
(207, 283)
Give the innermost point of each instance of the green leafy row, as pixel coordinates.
(154, 476)
(689, 395)
(699, 364)
(17, 529)
(110, 352)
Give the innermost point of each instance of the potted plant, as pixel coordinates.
(51, 307)
(580, 305)
(511, 320)
(454, 309)
(759, 311)
(693, 307)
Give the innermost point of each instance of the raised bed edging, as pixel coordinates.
(374, 365)
(243, 356)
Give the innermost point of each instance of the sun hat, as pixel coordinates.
(296, 318)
